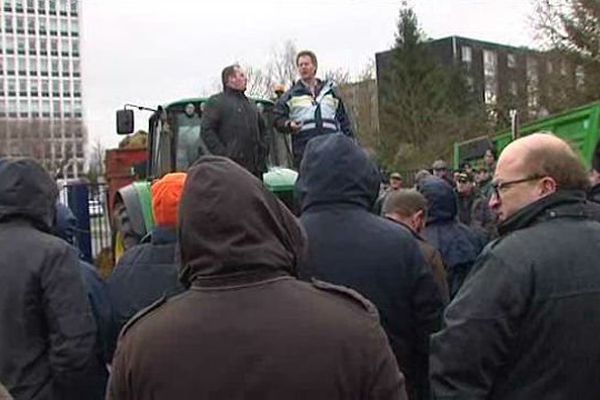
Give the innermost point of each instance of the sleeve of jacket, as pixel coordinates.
(341, 116)
(281, 113)
(385, 381)
(72, 330)
(211, 121)
(480, 326)
(264, 138)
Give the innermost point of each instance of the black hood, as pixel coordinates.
(441, 200)
(27, 192)
(229, 223)
(335, 170)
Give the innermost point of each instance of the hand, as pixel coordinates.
(295, 126)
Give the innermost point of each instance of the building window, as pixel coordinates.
(34, 87)
(52, 6)
(490, 62)
(19, 5)
(10, 65)
(43, 47)
(45, 88)
(55, 87)
(8, 23)
(2, 89)
(65, 67)
(30, 5)
(54, 66)
(511, 60)
(532, 86)
(74, 7)
(10, 45)
(33, 69)
(76, 68)
(63, 6)
(77, 109)
(74, 27)
(31, 25)
(22, 66)
(32, 46)
(53, 26)
(44, 66)
(21, 45)
(11, 84)
(77, 88)
(20, 25)
(67, 109)
(35, 108)
(57, 108)
(466, 54)
(12, 107)
(7, 5)
(23, 87)
(23, 108)
(75, 47)
(64, 47)
(64, 27)
(54, 47)
(42, 6)
(42, 25)
(46, 108)
(66, 89)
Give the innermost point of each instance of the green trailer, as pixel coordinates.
(579, 126)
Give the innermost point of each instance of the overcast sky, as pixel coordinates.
(150, 52)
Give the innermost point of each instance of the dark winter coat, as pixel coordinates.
(525, 323)
(474, 211)
(594, 194)
(247, 329)
(459, 244)
(232, 127)
(321, 114)
(350, 246)
(96, 377)
(47, 330)
(144, 274)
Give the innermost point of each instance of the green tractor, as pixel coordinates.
(173, 143)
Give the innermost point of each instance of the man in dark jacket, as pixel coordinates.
(458, 244)
(47, 330)
(232, 125)
(310, 108)
(408, 207)
(473, 208)
(148, 271)
(93, 383)
(525, 324)
(247, 328)
(380, 259)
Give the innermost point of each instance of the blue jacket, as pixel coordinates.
(458, 244)
(144, 274)
(350, 246)
(320, 114)
(64, 227)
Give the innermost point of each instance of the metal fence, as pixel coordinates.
(88, 202)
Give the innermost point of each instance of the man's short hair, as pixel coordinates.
(307, 53)
(563, 165)
(227, 72)
(439, 165)
(404, 202)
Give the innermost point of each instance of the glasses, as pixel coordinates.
(503, 186)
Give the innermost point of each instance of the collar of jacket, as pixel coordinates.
(247, 276)
(563, 203)
(411, 230)
(233, 92)
(163, 235)
(594, 192)
(318, 87)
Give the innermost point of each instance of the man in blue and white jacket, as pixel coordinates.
(310, 108)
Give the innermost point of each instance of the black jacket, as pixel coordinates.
(247, 329)
(232, 127)
(525, 323)
(47, 331)
(458, 244)
(144, 274)
(350, 246)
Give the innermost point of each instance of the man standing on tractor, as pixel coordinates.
(310, 108)
(232, 125)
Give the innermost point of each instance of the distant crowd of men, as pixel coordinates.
(481, 284)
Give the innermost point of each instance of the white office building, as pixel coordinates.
(41, 111)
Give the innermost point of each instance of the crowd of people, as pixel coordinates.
(473, 285)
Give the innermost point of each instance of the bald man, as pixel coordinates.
(525, 324)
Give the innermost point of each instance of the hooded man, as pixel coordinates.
(351, 246)
(247, 328)
(525, 323)
(94, 382)
(47, 330)
(458, 244)
(148, 271)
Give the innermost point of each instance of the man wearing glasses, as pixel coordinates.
(525, 323)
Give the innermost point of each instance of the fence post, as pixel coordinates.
(78, 195)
